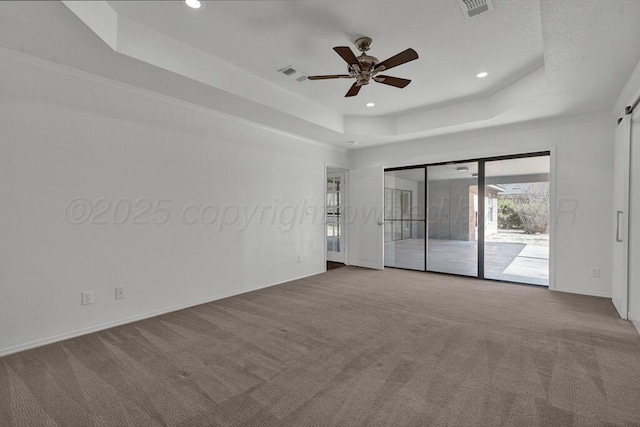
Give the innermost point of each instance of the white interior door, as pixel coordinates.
(619, 290)
(334, 220)
(364, 216)
(634, 221)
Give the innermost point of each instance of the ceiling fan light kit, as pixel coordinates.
(365, 68)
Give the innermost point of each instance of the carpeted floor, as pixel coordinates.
(350, 347)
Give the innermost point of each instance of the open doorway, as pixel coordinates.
(334, 220)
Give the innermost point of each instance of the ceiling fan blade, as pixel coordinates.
(399, 59)
(331, 76)
(392, 81)
(354, 90)
(347, 54)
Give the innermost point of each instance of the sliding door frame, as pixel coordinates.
(481, 209)
(481, 218)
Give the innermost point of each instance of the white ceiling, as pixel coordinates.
(546, 59)
(262, 37)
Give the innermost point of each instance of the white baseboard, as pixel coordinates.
(583, 292)
(67, 335)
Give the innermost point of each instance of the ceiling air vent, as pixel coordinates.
(291, 72)
(471, 8)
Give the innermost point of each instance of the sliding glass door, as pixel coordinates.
(486, 218)
(517, 220)
(404, 219)
(452, 224)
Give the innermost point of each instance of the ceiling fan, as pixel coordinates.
(365, 68)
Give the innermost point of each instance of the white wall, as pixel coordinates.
(64, 135)
(582, 148)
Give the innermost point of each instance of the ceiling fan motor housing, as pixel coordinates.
(367, 66)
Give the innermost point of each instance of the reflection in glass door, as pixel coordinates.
(335, 235)
(452, 194)
(517, 220)
(404, 233)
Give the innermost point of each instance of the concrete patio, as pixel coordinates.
(515, 262)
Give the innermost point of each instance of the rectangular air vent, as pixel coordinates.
(297, 75)
(472, 8)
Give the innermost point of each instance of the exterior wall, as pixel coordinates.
(455, 216)
(491, 221)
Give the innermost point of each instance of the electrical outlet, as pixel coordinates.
(299, 258)
(120, 292)
(87, 297)
(595, 272)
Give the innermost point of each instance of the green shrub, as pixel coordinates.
(527, 211)
(508, 218)
(534, 217)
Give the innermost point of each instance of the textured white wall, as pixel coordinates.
(583, 154)
(65, 136)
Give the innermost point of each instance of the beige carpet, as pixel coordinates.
(350, 347)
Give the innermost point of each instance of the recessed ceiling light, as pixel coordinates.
(195, 4)
(371, 104)
(352, 142)
(482, 75)
(462, 169)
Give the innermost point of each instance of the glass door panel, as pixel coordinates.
(517, 220)
(404, 222)
(452, 206)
